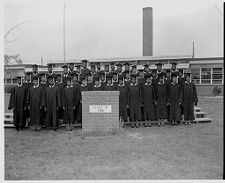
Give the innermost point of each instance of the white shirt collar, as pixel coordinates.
(51, 86)
(148, 84)
(36, 86)
(97, 86)
(133, 84)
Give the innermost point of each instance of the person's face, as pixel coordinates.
(85, 64)
(188, 79)
(148, 80)
(180, 74)
(141, 74)
(134, 69)
(50, 81)
(35, 69)
(50, 69)
(35, 82)
(114, 77)
(161, 80)
(98, 66)
(96, 82)
(58, 78)
(93, 69)
(128, 76)
(19, 81)
(107, 68)
(89, 78)
(119, 68)
(174, 79)
(68, 82)
(75, 78)
(127, 67)
(109, 81)
(83, 82)
(112, 67)
(120, 81)
(42, 78)
(147, 69)
(173, 67)
(154, 74)
(71, 67)
(65, 69)
(159, 67)
(27, 78)
(167, 74)
(78, 69)
(102, 77)
(133, 79)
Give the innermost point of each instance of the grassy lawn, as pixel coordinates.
(180, 152)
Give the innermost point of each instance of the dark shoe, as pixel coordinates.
(136, 124)
(149, 125)
(132, 125)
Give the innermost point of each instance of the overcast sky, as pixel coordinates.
(112, 28)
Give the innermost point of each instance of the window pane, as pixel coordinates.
(217, 81)
(195, 75)
(206, 73)
(205, 81)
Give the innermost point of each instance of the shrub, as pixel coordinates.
(217, 90)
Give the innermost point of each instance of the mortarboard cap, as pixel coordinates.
(173, 63)
(65, 66)
(119, 64)
(68, 78)
(78, 66)
(158, 64)
(146, 65)
(84, 61)
(106, 65)
(50, 77)
(18, 77)
(35, 66)
(112, 63)
(42, 74)
(120, 77)
(134, 66)
(141, 70)
(50, 65)
(128, 64)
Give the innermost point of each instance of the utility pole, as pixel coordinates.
(41, 61)
(64, 50)
(193, 50)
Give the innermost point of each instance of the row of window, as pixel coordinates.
(207, 75)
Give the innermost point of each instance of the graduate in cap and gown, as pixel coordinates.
(102, 78)
(27, 84)
(71, 69)
(141, 82)
(109, 85)
(98, 67)
(162, 99)
(181, 80)
(97, 85)
(44, 85)
(59, 85)
(148, 100)
(133, 69)
(127, 79)
(115, 78)
(112, 67)
(90, 82)
(127, 67)
(84, 70)
(175, 99)
(146, 69)
(190, 98)
(174, 68)
(78, 72)
(134, 102)
(154, 77)
(107, 71)
(159, 68)
(37, 104)
(69, 104)
(65, 74)
(53, 103)
(18, 104)
(167, 82)
(35, 70)
(50, 71)
(119, 69)
(83, 87)
(93, 70)
(123, 99)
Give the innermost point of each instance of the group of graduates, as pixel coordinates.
(46, 100)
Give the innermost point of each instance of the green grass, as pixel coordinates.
(180, 152)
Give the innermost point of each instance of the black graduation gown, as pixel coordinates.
(19, 102)
(148, 100)
(141, 81)
(90, 85)
(115, 84)
(60, 86)
(155, 81)
(69, 102)
(64, 76)
(27, 86)
(123, 101)
(161, 98)
(36, 100)
(53, 102)
(167, 83)
(189, 98)
(175, 97)
(181, 80)
(42, 112)
(79, 104)
(134, 102)
(11, 103)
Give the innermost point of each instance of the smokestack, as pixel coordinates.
(147, 31)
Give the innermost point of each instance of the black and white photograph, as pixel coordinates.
(112, 90)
